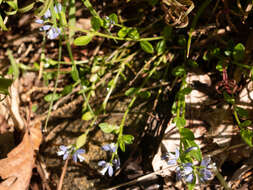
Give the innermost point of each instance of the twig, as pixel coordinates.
(64, 169)
(139, 178)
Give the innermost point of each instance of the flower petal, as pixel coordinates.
(47, 14)
(102, 163)
(110, 170)
(39, 21)
(80, 157)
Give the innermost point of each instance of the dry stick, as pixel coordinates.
(140, 178)
(64, 169)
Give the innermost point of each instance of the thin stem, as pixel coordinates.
(59, 187)
(95, 33)
(55, 86)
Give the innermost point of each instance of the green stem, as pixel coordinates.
(55, 86)
(95, 33)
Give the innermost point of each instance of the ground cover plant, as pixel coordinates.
(130, 94)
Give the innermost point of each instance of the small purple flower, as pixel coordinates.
(39, 21)
(64, 150)
(45, 27)
(172, 158)
(188, 172)
(107, 167)
(109, 147)
(205, 172)
(77, 155)
(53, 33)
(58, 8)
(185, 171)
(47, 14)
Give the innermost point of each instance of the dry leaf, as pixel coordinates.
(16, 169)
(13, 101)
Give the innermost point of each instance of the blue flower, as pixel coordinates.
(69, 150)
(205, 172)
(109, 147)
(53, 33)
(47, 14)
(57, 9)
(77, 155)
(185, 171)
(171, 158)
(64, 150)
(107, 167)
(39, 21)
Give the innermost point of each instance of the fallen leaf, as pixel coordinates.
(16, 169)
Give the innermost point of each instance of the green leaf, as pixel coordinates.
(241, 112)
(113, 18)
(180, 122)
(134, 34)
(87, 116)
(46, 5)
(216, 52)
(186, 133)
(108, 128)
(228, 98)
(178, 71)
(123, 32)
(80, 141)
(144, 94)
(219, 66)
(161, 47)
(122, 144)
(67, 89)
(174, 108)
(96, 23)
(239, 52)
(2, 25)
(14, 64)
(74, 73)
(12, 4)
(147, 47)
(245, 123)
(4, 85)
(26, 8)
(247, 136)
(131, 91)
(49, 97)
(83, 40)
(128, 139)
(196, 154)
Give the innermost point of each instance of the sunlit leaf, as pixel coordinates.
(83, 40)
(147, 47)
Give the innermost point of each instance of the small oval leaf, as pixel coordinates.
(83, 40)
(147, 47)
